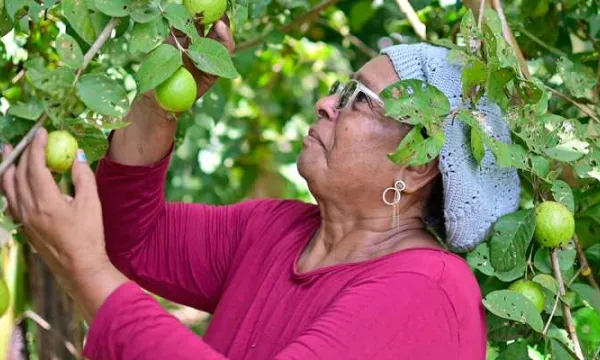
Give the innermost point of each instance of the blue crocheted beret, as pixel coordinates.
(474, 196)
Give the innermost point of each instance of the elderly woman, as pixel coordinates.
(357, 276)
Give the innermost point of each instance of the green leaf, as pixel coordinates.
(458, 57)
(477, 147)
(91, 139)
(563, 194)
(559, 351)
(547, 281)
(12, 7)
(103, 95)
(6, 24)
(528, 91)
(510, 239)
(470, 32)
(158, 67)
(415, 150)
(579, 79)
(592, 253)
(497, 80)
(415, 102)
(146, 37)
(571, 150)
(143, 11)
(474, 74)
(513, 306)
(212, 57)
(85, 20)
(30, 111)
(543, 263)
(114, 8)
(180, 19)
(503, 330)
(12, 128)
(513, 274)
(57, 82)
(589, 294)
(479, 259)
(515, 351)
(69, 51)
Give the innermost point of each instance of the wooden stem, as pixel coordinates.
(585, 109)
(93, 50)
(413, 18)
(508, 36)
(569, 325)
(480, 15)
(586, 270)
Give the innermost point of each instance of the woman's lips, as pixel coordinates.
(313, 134)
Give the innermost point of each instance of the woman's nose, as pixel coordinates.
(326, 107)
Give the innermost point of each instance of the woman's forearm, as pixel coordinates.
(148, 138)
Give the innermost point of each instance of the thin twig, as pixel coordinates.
(539, 41)
(18, 77)
(307, 16)
(413, 18)
(554, 307)
(177, 43)
(25, 141)
(569, 325)
(584, 108)
(360, 45)
(585, 268)
(89, 55)
(574, 277)
(480, 15)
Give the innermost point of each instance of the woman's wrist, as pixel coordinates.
(91, 288)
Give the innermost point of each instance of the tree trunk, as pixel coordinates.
(64, 337)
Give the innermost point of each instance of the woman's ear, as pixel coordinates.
(417, 177)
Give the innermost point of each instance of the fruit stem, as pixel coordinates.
(569, 325)
(25, 141)
(551, 314)
(586, 270)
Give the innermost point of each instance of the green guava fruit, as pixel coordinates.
(61, 150)
(177, 93)
(531, 291)
(554, 224)
(209, 11)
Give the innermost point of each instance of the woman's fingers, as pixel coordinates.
(222, 33)
(9, 185)
(42, 185)
(84, 181)
(24, 196)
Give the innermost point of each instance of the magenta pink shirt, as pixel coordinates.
(238, 262)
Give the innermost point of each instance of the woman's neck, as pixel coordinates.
(348, 239)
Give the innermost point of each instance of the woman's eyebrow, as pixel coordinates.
(362, 79)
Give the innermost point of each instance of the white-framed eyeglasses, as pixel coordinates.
(348, 92)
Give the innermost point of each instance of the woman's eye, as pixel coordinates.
(361, 97)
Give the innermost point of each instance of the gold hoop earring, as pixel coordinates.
(398, 187)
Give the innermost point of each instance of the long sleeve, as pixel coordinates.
(179, 251)
(406, 316)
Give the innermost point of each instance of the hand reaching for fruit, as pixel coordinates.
(220, 32)
(66, 232)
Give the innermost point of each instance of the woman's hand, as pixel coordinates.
(66, 232)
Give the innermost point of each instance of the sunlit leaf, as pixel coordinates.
(563, 194)
(510, 239)
(578, 78)
(479, 259)
(145, 37)
(513, 306)
(103, 95)
(69, 51)
(86, 22)
(212, 57)
(414, 102)
(158, 67)
(31, 110)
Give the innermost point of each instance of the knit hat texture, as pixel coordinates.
(474, 196)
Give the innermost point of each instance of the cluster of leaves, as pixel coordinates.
(550, 149)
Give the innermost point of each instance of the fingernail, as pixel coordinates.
(81, 157)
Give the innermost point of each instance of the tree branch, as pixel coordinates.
(28, 138)
(104, 35)
(413, 18)
(584, 108)
(569, 325)
(585, 266)
(307, 16)
(480, 15)
(508, 36)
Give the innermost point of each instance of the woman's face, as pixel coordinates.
(346, 150)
